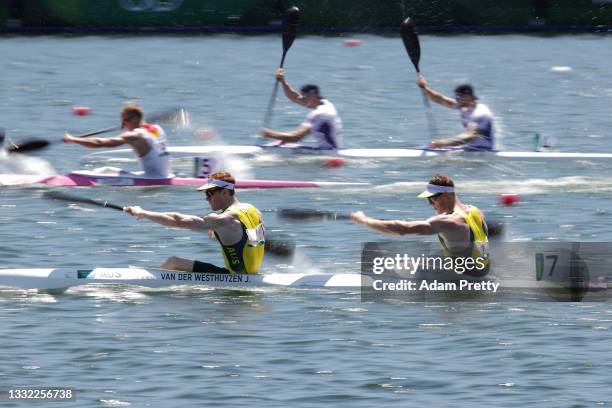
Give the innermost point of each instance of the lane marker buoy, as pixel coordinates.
(81, 110)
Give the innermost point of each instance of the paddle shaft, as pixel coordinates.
(494, 227)
(413, 47)
(309, 215)
(290, 22)
(268, 118)
(36, 144)
(57, 195)
(280, 248)
(153, 118)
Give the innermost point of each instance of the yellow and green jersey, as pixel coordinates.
(479, 241)
(246, 255)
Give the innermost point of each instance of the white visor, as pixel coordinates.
(433, 189)
(214, 183)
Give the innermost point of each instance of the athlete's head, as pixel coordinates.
(219, 190)
(311, 95)
(440, 193)
(464, 95)
(131, 116)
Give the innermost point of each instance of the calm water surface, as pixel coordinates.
(198, 347)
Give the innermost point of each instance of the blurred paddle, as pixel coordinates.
(310, 215)
(284, 248)
(290, 24)
(496, 228)
(413, 47)
(176, 115)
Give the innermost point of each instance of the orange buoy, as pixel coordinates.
(352, 42)
(509, 198)
(334, 162)
(81, 110)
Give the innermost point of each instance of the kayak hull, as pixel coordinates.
(78, 179)
(62, 278)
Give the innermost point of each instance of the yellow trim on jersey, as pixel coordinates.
(246, 255)
(479, 241)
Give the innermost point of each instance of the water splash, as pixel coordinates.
(21, 164)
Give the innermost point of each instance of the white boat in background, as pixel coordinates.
(473, 155)
(62, 278)
(294, 149)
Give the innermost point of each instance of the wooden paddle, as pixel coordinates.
(290, 24)
(495, 227)
(284, 248)
(175, 114)
(413, 47)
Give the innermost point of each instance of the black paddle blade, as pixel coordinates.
(28, 145)
(290, 24)
(495, 228)
(284, 248)
(411, 42)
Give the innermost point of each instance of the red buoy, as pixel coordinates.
(352, 42)
(81, 110)
(334, 162)
(509, 198)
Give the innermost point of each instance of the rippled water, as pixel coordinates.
(194, 347)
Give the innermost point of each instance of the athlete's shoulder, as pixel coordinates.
(474, 212)
(243, 207)
(133, 135)
(152, 129)
(482, 110)
(444, 218)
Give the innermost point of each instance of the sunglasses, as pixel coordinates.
(430, 199)
(210, 193)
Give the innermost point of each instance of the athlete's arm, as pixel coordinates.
(292, 94)
(177, 220)
(93, 142)
(435, 96)
(472, 132)
(292, 136)
(103, 142)
(434, 225)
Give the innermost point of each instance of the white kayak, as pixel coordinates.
(62, 278)
(198, 151)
